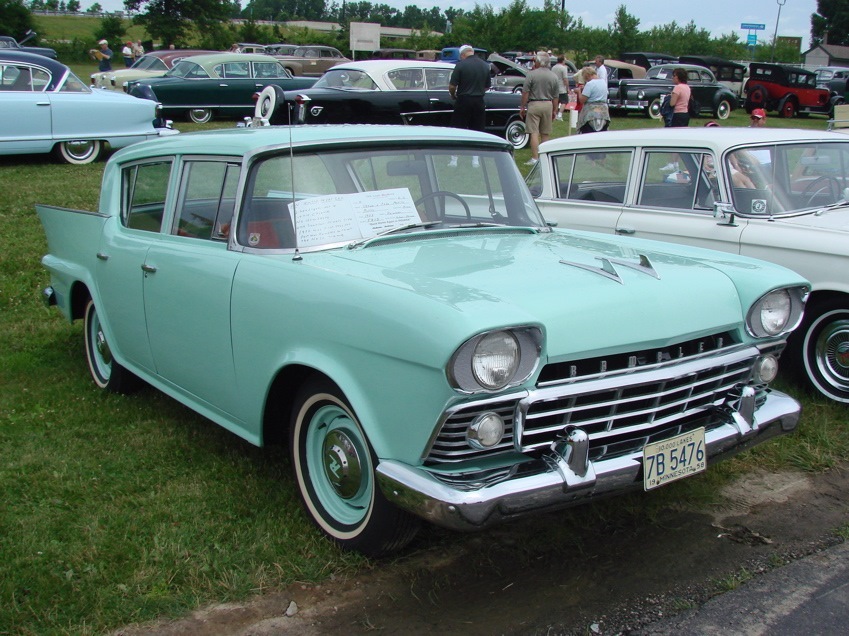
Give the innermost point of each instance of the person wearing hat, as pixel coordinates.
(103, 56)
(469, 80)
(758, 118)
(127, 52)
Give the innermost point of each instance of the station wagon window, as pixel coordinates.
(208, 195)
(437, 79)
(679, 180)
(406, 79)
(593, 176)
(269, 70)
(233, 70)
(144, 189)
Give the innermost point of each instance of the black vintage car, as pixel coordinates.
(644, 95)
(413, 92)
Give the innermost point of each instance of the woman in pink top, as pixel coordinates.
(680, 99)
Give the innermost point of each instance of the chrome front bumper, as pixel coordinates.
(564, 477)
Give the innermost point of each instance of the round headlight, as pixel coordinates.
(485, 431)
(495, 360)
(775, 312)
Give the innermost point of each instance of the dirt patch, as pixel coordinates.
(613, 579)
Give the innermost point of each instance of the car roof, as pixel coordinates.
(242, 141)
(378, 67)
(54, 66)
(674, 65)
(716, 138)
(709, 59)
(210, 60)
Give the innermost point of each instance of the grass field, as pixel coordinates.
(121, 509)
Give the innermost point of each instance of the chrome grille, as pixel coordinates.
(620, 410)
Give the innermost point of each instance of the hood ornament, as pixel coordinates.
(608, 270)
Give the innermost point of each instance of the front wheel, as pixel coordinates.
(79, 152)
(335, 473)
(823, 342)
(105, 370)
(723, 109)
(787, 108)
(516, 134)
(200, 115)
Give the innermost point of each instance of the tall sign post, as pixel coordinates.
(752, 39)
(781, 3)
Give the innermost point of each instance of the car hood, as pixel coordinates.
(494, 279)
(831, 220)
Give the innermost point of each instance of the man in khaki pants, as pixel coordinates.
(540, 97)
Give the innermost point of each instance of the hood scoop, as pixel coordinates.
(608, 270)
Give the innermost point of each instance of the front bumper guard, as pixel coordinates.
(566, 477)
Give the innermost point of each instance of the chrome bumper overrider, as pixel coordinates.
(564, 476)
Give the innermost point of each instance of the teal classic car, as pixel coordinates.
(396, 309)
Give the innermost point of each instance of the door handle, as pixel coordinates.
(103, 257)
(150, 269)
(42, 103)
(625, 230)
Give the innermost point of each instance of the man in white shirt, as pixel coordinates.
(600, 68)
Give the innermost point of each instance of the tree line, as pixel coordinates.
(208, 24)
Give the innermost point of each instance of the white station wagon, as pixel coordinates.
(779, 195)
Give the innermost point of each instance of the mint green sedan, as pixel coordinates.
(390, 303)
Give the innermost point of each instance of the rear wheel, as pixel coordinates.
(787, 108)
(79, 152)
(105, 370)
(200, 115)
(268, 101)
(335, 472)
(723, 109)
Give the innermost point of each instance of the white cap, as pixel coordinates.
(103, 42)
(466, 47)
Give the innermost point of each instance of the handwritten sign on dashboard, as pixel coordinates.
(340, 218)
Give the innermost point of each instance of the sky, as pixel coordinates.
(717, 16)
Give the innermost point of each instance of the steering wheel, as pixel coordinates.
(445, 194)
(820, 185)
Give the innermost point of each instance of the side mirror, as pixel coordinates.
(724, 210)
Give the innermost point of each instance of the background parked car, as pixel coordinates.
(777, 194)
(834, 79)
(510, 77)
(647, 60)
(387, 92)
(45, 107)
(312, 61)
(732, 74)
(451, 54)
(644, 95)
(280, 49)
(10, 43)
(393, 54)
(790, 90)
(217, 85)
(153, 64)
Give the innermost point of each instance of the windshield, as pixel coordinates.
(349, 79)
(150, 63)
(780, 179)
(344, 197)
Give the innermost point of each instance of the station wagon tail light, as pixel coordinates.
(777, 312)
(494, 360)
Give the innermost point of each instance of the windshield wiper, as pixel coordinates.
(394, 230)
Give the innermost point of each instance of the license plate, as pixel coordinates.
(674, 458)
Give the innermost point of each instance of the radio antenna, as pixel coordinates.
(297, 256)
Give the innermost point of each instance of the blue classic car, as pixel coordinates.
(395, 307)
(45, 107)
(219, 84)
